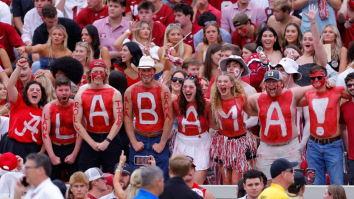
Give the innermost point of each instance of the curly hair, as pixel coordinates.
(43, 100)
(182, 101)
(72, 68)
(215, 97)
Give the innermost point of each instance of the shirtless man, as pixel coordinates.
(277, 112)
(281, 17)
(325, 147)
(102, 107)
(58, 133)
(151, 103)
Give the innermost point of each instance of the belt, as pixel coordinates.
(148, 135)
(325, 141)
(278, 145)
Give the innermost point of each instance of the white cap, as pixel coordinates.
(290, 67)
(94, 174)
(148, 62)
(223, 62)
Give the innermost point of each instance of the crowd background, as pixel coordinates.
(232, 85)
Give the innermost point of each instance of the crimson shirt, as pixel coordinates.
(25, 122)
(86, 16)
(158, 33)
(19, 86)
(347, 117)
(211, 9)
(207, 95)
(165, 15)
(190, 39)
(240, 41)
(132, 6)
(347, 35)
(217, 3)
(9, 39)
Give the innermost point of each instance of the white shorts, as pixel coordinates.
(268, 154)
(196, 146)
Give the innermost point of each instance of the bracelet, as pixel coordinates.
(109, 140)
(128, 31)
(119, 170)
(314, 22)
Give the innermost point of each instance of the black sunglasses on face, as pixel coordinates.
(290, 170)
(350, 85)
(174, 79)
(313, 78)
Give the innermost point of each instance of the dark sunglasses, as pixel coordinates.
(174, 79)
(350, 85)
(289, 170)
(313, 78)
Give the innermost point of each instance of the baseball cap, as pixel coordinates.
(97, 63)
(299, 179)
(61, 185)
(192, 160)
(94, 174)
(273, 74)
(109, 179)
(241, 18)
(290, 67)
(280, 165)
(8, 161)
(223, 63)
(125, 169)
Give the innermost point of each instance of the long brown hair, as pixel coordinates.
(215, 96)
(219, 39)
(213, 48)
(336, 191)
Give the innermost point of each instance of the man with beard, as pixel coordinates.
(58, 133)
(151, 103)
(347, 123)
(102, 107)
(194, 186)
(276, 110)
(325, 147)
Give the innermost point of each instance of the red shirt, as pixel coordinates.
(9, 39)
(132, 6)
(347, 117)
(323, 107)
(211, 9)
(97, 105)
(240, 41)
(190, 125)
(90, 196)
(147, 105)
(131, 81)
(347, 35)
(165, 15)
(190, 39)
(278, 128)
(198, 189)
(217, 3)
(25, 122)
(231, 117)
(20, 86)
(86, 16)
(158, 33)
(62, 127)
(207, 95)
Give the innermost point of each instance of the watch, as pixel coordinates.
(109, 140)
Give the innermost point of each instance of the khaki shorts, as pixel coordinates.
(267, 154)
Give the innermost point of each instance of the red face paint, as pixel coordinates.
(94, 75)
(322, 81)
(244, 30)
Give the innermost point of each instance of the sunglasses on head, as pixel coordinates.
(209, 22)
(175, 79)
(313, 78)
(172, 25)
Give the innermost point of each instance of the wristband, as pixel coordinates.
(109, 140)
(119, 170)
(314, 22)
(128, 31)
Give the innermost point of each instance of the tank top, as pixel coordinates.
(46, 62)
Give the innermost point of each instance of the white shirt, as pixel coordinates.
(340, 79)
(109, 196)
(31, 21)
(44, 190)
(5, 14)
(244, 197)
(72, 8)
(7, 183)
(4, 125)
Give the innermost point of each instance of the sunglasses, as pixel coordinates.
(313, 78)
(350, 85)
(174, 79)
(289, 170)
(172, 25)
(209, 22)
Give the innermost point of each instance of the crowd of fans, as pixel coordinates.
(155, 98)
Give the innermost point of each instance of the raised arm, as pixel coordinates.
(12, 91)
(31, 49)
(118, 190)
(168, 113)
(320, 52)
(118, 43)
(128, 121)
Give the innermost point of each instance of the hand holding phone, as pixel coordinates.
(142, 160)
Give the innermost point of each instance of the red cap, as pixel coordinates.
(8, 161)
(97, 63)
(109, 179)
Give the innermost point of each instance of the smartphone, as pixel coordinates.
(141, 160)
(24, 182)
(310, 174)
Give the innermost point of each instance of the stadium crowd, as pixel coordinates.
(153, 99)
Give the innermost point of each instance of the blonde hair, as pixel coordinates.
(79, 177)
(135, 183)
(65, 41)
(215, 97)
(337, 42)
(136, 34)
(48, 86)
(89, 57)
(105, 80)
(180, 49)
(180, 165)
